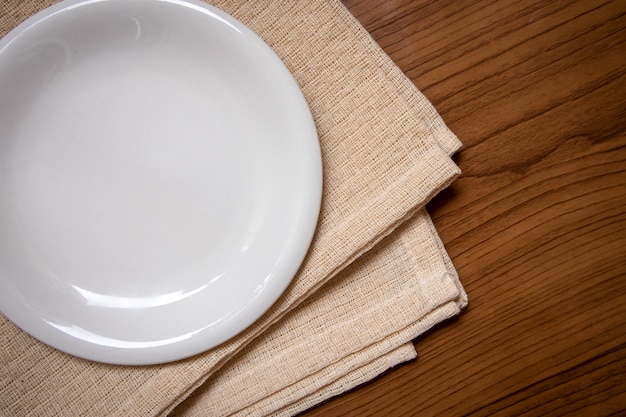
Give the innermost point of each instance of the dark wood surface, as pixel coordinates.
(536, 225)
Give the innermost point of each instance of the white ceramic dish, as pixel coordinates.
(160, 178)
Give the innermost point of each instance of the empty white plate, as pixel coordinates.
(160, 178)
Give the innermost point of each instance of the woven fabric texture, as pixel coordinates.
(386, 298)
(385, 154)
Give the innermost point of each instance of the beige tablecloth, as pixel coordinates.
(375, 277)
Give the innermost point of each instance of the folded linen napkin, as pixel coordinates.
(353, 328)
(385, 155)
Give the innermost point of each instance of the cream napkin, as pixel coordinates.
(385, 155)
(353, 328)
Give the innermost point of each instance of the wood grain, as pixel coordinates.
(536, 225)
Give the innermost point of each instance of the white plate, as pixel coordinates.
(160, 178)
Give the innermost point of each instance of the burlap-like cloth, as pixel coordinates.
(346, 316)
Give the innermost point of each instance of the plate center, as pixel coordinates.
(132, 176)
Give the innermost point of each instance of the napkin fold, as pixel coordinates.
(385, 153)
(357, 325)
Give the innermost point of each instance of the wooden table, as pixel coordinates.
(536, 225)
